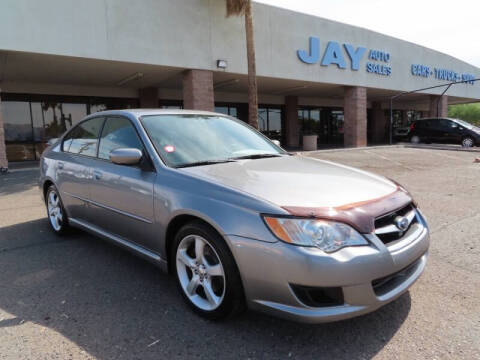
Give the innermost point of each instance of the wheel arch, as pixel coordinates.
(181, 219)
(46, 184)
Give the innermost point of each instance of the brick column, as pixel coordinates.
(3, 148)
(379, 124)
(438, 106)
(292, 128)
(148, 97)
(355, 112)
(198, 90)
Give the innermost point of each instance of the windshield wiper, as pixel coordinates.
(206, 162)
(256, 156)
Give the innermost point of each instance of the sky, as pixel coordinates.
(451, 27)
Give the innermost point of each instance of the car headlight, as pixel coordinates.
(328, 236)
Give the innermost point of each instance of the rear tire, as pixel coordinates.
(415, 139)
(56, 213)
(205, 271)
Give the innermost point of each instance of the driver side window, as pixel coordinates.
(118, 133)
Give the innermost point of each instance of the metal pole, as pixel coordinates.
(391, 120)
(438, 100)
(448, 85)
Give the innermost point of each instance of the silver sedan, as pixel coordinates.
(237, 220)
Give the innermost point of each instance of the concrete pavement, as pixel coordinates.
(82, 298)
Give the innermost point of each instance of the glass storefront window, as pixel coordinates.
(227, 110)
(275, 124)
(30, 124)
(263, 119)
(327, 123)
(17, 124)
(221, 109)
(98, 107)
(397, 117)
(270, 122)
(337, 128)
(59, 117)
(17, 121)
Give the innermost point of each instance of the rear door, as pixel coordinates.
(122, 195)
(79, 148)
(434, 130)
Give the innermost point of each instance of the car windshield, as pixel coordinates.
(190, 140)
(464, 123)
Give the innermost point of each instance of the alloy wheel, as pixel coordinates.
(200, 272)
(54, 208)
(467, 142)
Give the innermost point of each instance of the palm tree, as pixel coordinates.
(238, 8)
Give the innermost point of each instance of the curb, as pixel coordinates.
(398, 146)
(447, 148)
(9, 171)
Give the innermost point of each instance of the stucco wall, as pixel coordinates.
(195, 33)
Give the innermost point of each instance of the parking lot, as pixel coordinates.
(82, 298)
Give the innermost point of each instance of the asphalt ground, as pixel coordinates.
(82, 298)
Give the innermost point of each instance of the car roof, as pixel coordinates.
(137, 113)
(436, 118)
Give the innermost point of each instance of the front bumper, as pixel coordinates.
(269, 270)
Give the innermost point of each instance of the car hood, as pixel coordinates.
(298, 181)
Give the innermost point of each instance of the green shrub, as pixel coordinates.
(466, 112)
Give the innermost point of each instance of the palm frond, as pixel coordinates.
(236, 7)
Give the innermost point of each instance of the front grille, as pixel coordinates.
(318, 296)
(386, 229)
(385, 284)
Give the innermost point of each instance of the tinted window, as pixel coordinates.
(118, 133)
(443, 124)
(424, 124)
(84, 138)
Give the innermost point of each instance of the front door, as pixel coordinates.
(121, 196)
(454, 132)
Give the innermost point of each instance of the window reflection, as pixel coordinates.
(18, 130)
(227, 110)
(118, 133)
(270, 122)
(29, 125)
(327, 123)
(84, 138)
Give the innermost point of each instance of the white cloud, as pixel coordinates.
(448, 26)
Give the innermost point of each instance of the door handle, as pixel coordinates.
(60, 165)
(97, 175)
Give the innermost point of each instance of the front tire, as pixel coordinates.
(468, 142)
(206, 273)
(56, 212)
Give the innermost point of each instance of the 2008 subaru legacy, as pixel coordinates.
(237, 220)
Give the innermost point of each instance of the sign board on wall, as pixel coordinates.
(334, 54)
(348, 56)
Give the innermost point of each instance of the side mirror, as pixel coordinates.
(126, 156)
(276, 142)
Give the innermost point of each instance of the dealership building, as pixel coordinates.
(61, 60)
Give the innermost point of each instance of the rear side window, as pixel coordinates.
(425, 124)
(83, 139)
(118, 133)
